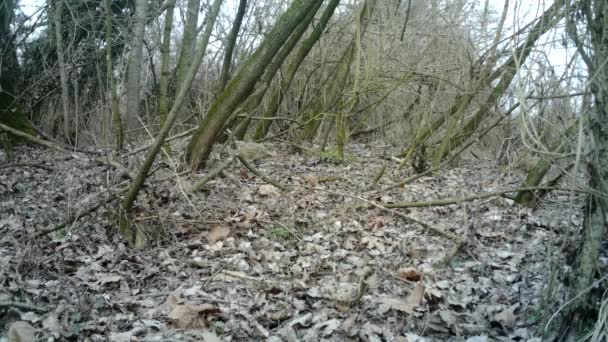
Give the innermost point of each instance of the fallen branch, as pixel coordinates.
(33, 138)
(392, 211)
(34, 165)
(263, 176)
(115, 164)
(175, 137)
(450, 201)
(209, 176)
(81, 213)
(48, 143)
(23, 306)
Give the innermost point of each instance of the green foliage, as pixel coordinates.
(279, 234)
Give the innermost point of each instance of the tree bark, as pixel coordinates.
(182, 92)
(117, 125)
(262, 87)
(314, 112)
(595, 13)
(240, 87)
(163, 101)
(63, 72)
(230, 44)
(547, 21)
(135, 62)
(276, 97)
(189, 40)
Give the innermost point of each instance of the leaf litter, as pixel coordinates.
(244, 260)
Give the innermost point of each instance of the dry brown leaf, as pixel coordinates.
(173, 300)
(311, 180)
(268, 190)
(410, 273)
(506, 318)
(217, 232)
(21, 332)
(412, 301)
(416, 296)
(191, 316)
(376, 222)
(417, 252)
(434, 295)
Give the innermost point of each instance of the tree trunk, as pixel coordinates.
(314, 113)
(163, 101)
(276, 97)
(135, 62)
(595, 12)
(182, 92)
(537, 173)
(240, 87)
(230, 44)
(547, 21)
(117, 125)
(188, 41)
(262, 87)
(63, 72)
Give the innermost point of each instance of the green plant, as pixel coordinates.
(279, 234)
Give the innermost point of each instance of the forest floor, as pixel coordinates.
(243, 260)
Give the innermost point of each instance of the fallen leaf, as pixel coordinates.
(268, 190)
(434, 295)
(416, 296)
(109, 279)
(376, 222)
(410, 273)
(52, 323)
(448, 317)
(210, 336)
(506, 318)
(217, 232)
(21, 332)
(311, 180)
(191, 316)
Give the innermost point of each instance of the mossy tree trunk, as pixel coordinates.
(507, 70)
(165, 49)
(537, 172)
(186, 52)
(252, 103)
(313, 114)
(595, 13)
(277, 93)
(11, 114)
(547, 21)
(241, 86)
(183, 90)
(230, 44)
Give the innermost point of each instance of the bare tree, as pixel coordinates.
(134, 69)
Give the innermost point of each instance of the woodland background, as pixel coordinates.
(185, 90)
